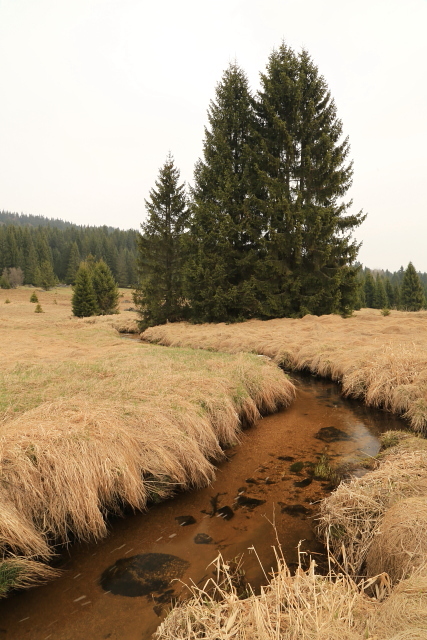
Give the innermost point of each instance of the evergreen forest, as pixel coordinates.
(39, 247)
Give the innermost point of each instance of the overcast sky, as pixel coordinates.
(94, 93)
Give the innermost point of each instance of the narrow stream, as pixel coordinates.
(119, 588)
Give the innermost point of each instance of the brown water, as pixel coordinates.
(81, 606)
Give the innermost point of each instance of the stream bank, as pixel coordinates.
(100, 593)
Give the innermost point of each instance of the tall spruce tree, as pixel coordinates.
(412, 292)
(226, 229)
(159, 294)
(309, 264)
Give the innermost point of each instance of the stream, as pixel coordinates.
(121, 587)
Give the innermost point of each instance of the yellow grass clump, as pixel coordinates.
(381, 360)
(400, 544)
(90, 422)
(304, 606)
(351, 517)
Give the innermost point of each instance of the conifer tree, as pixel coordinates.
(73, 264)
(369, 288)
(31, 264)
(47, 278)
(380, 296)
(309, 264)
(159, 294)
(390, 293)
(83, 301)
(412, 293)
(105, 288)
(226, 229)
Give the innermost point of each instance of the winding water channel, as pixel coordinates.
(119, 587)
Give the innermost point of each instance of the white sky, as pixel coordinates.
(94, 93)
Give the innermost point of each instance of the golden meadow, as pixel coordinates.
(91, 422)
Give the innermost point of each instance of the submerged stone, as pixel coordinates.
(143, 574)
(247, 501)
(296, 510)
(332, 434)
(303, 483)
(296, 467)
(226, 513)
(183, 521)
(202, 538)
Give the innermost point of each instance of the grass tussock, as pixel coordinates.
(300, 607)
(304, 606)
(19, 572)
(377, 522)
(380, 359)
(90, 423)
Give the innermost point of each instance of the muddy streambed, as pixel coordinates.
(119, 588)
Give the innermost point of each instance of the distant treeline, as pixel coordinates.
(384, 289)
(29, 242)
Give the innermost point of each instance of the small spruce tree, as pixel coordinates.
(412, 293)
(73, 264)
(380, 296)
(369, 289)
(105, 288)
(47, 276)
(34, 297)
(38, 309)
(84, 300)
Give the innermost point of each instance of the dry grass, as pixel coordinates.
(381, 360)
(352, 516)
(305, 606)
(400, 544)
(90, 422)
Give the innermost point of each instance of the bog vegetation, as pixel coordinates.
(380, 359)
(91, 423)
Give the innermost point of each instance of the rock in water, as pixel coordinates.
(332, 434)
(143, 574)
(296, 510)
(183, 521)
(303, 483)
(202, 538)
(226, 513)
(247, 501)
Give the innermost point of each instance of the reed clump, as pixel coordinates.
(91, 423)
(380, 359)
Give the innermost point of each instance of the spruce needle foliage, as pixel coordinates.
(105, 288)
(412, 294)
(159, 295)
(305, 173)
(84, 300)
(226, 229)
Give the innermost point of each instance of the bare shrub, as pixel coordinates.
(14, 276)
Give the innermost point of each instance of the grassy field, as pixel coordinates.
(381, 360)
(91, 422)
